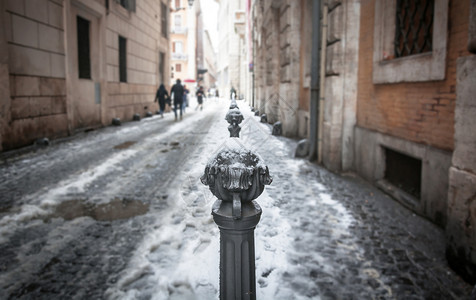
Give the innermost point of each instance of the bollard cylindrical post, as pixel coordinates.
(237, 250)
(236, 176)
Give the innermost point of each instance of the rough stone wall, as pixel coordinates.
(420, 112)
(340, 90)
(305, 69)
(290, 65)
(36, 66)
(461, 227)
(277, 61)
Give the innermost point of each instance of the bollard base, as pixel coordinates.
(237, 249)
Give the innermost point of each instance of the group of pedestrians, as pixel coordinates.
(179, 94)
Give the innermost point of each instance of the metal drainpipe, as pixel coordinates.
(322, 83)
(315, 55)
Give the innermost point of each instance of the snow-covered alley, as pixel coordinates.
(120, 213)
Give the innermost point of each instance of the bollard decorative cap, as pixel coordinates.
(233, 104)
(234, 116)
(236, 174)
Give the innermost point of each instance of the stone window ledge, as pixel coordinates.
(429, 66)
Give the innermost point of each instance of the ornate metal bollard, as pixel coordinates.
(264, 118)
(236, 176)
(233, 104)
(234, 117)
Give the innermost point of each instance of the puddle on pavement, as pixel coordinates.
(125, 145)
(117, 209)
(5, 209)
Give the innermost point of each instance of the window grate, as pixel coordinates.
(414, 27)
(403, 171)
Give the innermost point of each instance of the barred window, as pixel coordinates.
(414, 27)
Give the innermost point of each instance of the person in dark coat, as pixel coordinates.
(200, 94)
(161, 96)
(177, 91)
(185, 98)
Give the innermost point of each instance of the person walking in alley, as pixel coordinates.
(200, 94)
(161, 97)
(232, 93)
(177, 91)
(185, 98)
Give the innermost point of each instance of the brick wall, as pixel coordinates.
(420, 112)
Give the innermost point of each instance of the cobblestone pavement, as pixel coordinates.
(350, 240)
(321, 236)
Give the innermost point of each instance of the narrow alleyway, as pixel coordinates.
(120, 213)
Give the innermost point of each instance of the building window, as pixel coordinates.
(410, 40)
(403, 171)
(122, 60)
(177, 47)
(164, 20)
(84, 57)
(177, 3)
(178, 67)
(414, 27)
(162, 67)
(128, 4)
(178, 20)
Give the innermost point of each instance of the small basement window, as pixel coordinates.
(403, 171)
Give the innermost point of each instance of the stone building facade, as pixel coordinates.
(209, 60)
(72, 65)
(181, 26)
(461, 212)
(230, 47)
(403, 121)
(277, 61)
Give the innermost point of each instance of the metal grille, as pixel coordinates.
(414, 27)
